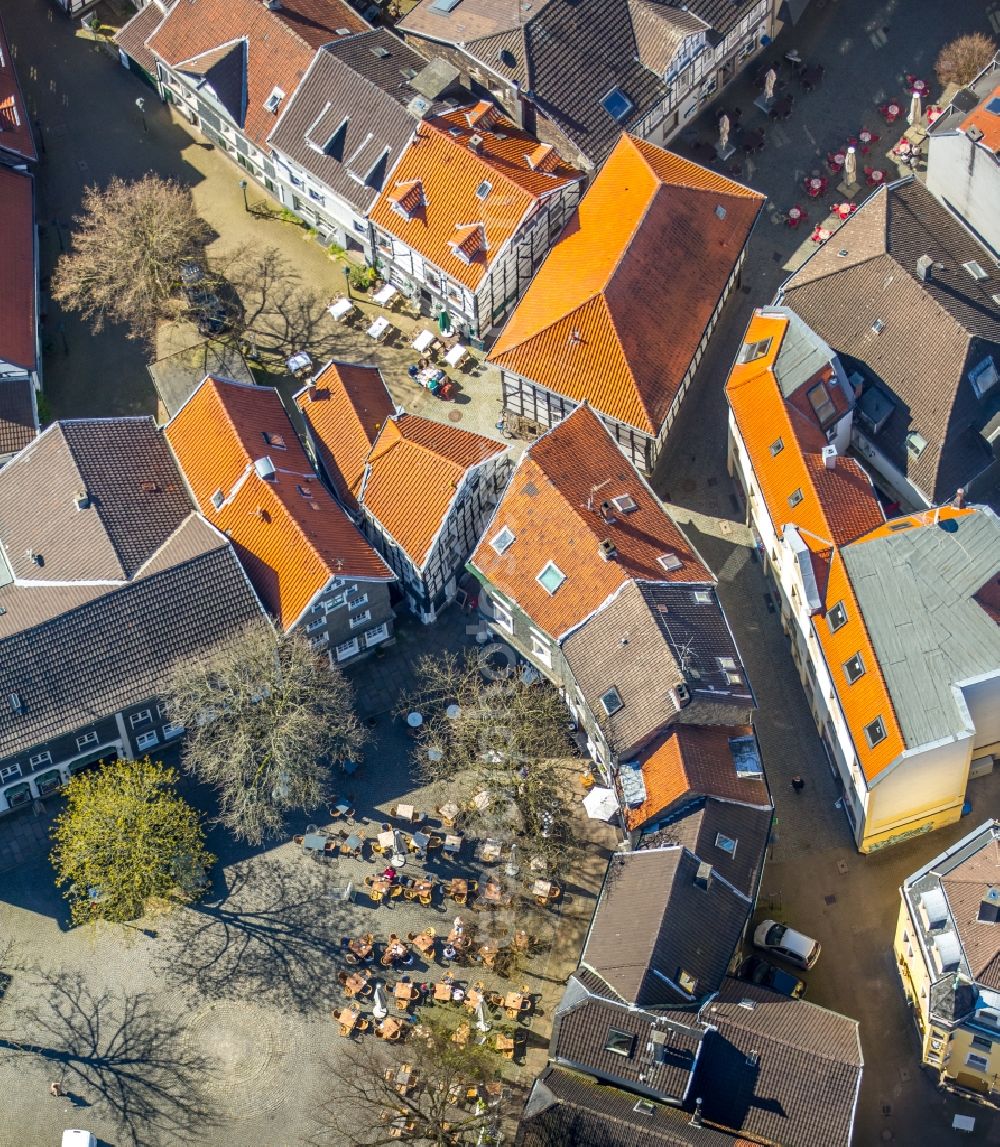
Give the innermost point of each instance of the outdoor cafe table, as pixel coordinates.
(355, 983)
(422, 887)
(354, 842)
(449, 813)
(504, 1043)
(389, 1027)
(361, 946)
(397, 950)
(348, 1020)
(474, 999)
(403, 1079)
(458, 886)
(493, 892)
(420, 841)
(341, 308)
(385, 295)
(512, 1001)
(488, 954)
(424, 943)
(299, 361)
(521, 939)
(378, 328)
(403, 993)
(387, 840)
(455, 355)
(491, 850)
(876, 176)
(314, 841)
(442, 992)
(404, 812)
(541, 888)
(452, 843)
(380, 884)
(423, 341)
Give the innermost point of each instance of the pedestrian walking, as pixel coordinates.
(798, 784)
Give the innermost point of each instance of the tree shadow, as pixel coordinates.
(115, 1049)
(275, 932)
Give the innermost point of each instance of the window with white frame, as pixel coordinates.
(171, 729)
(314, 625)
(502, 615)
(146, 740)
(540, 647)
(979, 1062)
(379, 633)
(87, 739)
(40, 759)
(347, 649)
(357, 602)
(140, 718)
(360, 619)
(9, 772)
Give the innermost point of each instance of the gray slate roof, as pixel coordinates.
(662, 1056)
(933, 333)
(916, 591)
(350, 120)
(784, 1071)
(137, 499)
(646, 640)
(566, 1109)
(97, 656)
(652, 921)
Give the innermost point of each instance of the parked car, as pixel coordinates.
(756, 970)
(787, 944)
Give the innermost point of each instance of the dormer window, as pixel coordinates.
(468, 241)
(836, 617)
(611, 702)
(794, 498)
(406, 199)
(776, 447)
(875, 732)
(484, 189)
(275, 440)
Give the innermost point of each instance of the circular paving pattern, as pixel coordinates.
(454, 416)
(245, 1047)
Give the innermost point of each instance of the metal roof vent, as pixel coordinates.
(264, 468)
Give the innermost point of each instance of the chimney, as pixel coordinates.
(830, 457)
(696, 1117)
(36, 558)
(959, 500)
(82, 500)
(476, 144)
(925, 267)
(703, 877)
(272, 5)
(607, 549)
(680, 695)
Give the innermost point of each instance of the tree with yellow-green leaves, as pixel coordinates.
(127, 843)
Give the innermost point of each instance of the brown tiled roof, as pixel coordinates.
(290, 534)
(567, 1109)
(18, 416)
(132, 38)
(450, 172)
(965, 886)
(413, 473)
(348, 123)
(931, 335)
(580, 1030)
(782, 1070)
(279, 44)
(660, 30)
(137, 500)
(699, 827)
(575, 464)
(468, 21)
(617, 311)
(653, 923)
(690, 761)
(345, 406)
(645, 642)
(17, 269)
(15, 126)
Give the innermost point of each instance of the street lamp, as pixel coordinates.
(243, 188)
(140, 103)
(347, 281)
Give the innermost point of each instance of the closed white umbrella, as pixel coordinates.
(379, 1007)
(851, 167)
(600, 803)
(482, 1023)
(916, 111)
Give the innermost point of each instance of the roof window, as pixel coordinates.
(670, 562)
(624, 503)
(776, 447)
(875, 732)
(916, 444)
(502, 542)
(878, 326)
(795, 497)
(217, 499)
(611, 701)
(726, 843)
(381, 51)
(619, 1042)
(483, 190)
(975, 270)
(836, 617)
(273, 101)
(726, 662)
(703, 596)
(687, 982)
(275, 440)
(551, 577)
(617, 104)
(822, 404)
(854, 668)
(983, 376)
(750, 352)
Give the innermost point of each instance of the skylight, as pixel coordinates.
(875, 732)
(836, 617)
(483, 190)
(444, 5)
(612, 702)
(726, 843)
(503, 540)
(916, 443)
(619, 1042)
(854, 668)
(750, 352)
(670, 561)
(551, 577)
(617, 104)
(624, 503)
(994, 105)
(975, 270)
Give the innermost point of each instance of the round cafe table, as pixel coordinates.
(877, 175)
(865, 137)
(415, 720)
(840, 158)
(843, 209)
(795, 214)
(894, 109)
(933, 113)
(815, 184)
(820, 235)
(918, 86)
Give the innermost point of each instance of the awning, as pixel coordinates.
(600, 803)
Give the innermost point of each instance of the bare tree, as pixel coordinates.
(961, 60)
(265, 719)
(449, 1100)
(126, 254)
(502, 743)
(120, 1053)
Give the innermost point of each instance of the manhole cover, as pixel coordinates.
(842, 867)
(454, 416)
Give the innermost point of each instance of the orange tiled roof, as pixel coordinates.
(837, 505)
(574, 465)
(15, 128)
(868, 697)
(440, 158)
(988, 122)
(345, 407)
(413, 473)
(280, 44)
(290, 534)
(618, 308)
(696, 760)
